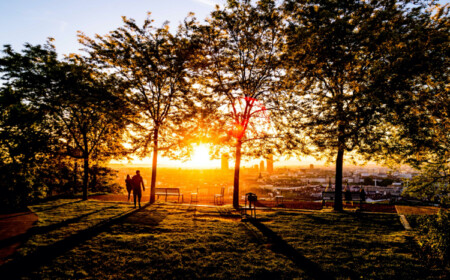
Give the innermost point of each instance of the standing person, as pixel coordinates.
(137, 182)
(362, 194)
(129, 185)
(347, 195)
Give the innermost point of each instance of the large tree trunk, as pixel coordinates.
(338, 180)
(85, 177)
(75, 177)
(154, 166)
(86, 167)
(237, 167)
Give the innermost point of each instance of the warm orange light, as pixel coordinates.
(200, 158)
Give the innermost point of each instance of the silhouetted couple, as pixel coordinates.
(134, 184)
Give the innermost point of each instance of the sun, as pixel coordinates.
(201, 157)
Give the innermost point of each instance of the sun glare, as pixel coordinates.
(200, 158)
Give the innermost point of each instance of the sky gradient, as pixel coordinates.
(33, 21)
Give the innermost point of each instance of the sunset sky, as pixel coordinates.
(33, 21)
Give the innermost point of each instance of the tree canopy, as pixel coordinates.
(80, 107)
(153, 62)
(240, 72)
(366, 79)
(355, 62)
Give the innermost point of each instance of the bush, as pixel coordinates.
(18, 187)
(102, 179)
(434, 236)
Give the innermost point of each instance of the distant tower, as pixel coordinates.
(270, 164)
(311, 166)
(225, 161)
(261, 166)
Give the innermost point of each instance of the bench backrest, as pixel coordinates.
(356, 196)
(167, 190)
(328, 195)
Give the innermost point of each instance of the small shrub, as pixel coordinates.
(434, 236)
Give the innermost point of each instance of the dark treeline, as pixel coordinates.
(364, 80)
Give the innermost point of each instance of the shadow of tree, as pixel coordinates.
(45, 229)
(281, 246)
(21, 266)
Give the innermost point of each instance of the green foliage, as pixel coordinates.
(240, 72)
(103, 180)
(56, 109)
(153, 63)
(16, 187)
(433, 234)
(25, 142)
(433, 182)
(369, 75)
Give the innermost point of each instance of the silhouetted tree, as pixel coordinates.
(420, 108)
(82, 106)
(153, 62)
(24, 143)
(348, 56)
(240, 75)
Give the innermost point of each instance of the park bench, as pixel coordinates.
(331, 196)
(327, 196)
(169, 192)
(219, 197)
(355, 196)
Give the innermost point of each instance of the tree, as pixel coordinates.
(420, 111)
(433, 183)
(154, 64)
(24, 143)
(344, 53)
(240, 73)
(82, 105)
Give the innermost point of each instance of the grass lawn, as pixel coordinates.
(170, 241)
(61, 218)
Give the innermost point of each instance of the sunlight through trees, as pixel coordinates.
(331, 79)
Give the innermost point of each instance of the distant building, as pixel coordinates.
(261, 166)
(270, 164)
(224, 161)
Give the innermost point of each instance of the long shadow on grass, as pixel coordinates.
(147, 217)
(40, 210)
(281, 246)
(44, 209)
(45, 229)
(21, 266)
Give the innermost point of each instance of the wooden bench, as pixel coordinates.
(354, 196)
(169, 192)
(331, 196)
(328, 196)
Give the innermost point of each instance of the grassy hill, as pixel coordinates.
(171, 241)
